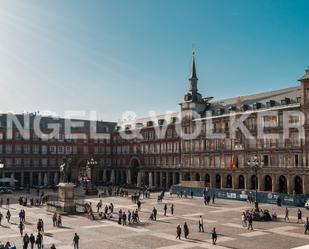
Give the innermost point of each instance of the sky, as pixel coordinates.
(134, 55)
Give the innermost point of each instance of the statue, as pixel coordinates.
(65, 171)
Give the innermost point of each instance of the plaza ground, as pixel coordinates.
(225, 215)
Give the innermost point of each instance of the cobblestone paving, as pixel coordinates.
(224, 215)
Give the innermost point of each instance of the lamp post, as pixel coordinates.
(256, 164)
(1, 168)
(90, 164)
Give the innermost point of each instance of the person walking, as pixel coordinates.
(200, 224)
(31, 240)
(53, 246)
(76, 241)
(165, 209)
(25, 241)
(7, 202)
(250, 222)
(243, 219)
(186, 230)
(299, 216)
(39, 241)
(1, 217)
(286, 214)
(21, 227)
(129, 217)
(214, 236)
(8, 216)
(55, 219)
(178, 232)
(172, 209)
(306, 225)
(154, 213)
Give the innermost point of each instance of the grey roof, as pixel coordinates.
(280, 97)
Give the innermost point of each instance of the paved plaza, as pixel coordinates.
(225, 215)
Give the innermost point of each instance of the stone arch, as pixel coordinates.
(134, 169)
(268, 183)
(229, 181)
(298, 185)
(254, 182)
(241, 182)
(283, 186)
(186, 176)
(218, 181)
(207, 180)
(197, 177)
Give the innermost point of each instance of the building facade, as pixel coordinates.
(167, 149)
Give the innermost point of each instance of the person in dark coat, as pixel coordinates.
(186, 230)
(178, 232)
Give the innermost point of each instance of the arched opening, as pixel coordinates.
(177, 178)
(218, 181)
(241, 182)
(197, 177)
(229, 181)
(254, 182)
(283, 188)
(134, 170)
(298, 185)
(207, 180)
(186, 177)
(268, 183)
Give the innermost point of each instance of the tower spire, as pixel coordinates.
(193, 78)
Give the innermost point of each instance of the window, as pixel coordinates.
(266, 160)
(26, 148)
(18, 149)
(44, 149)
(8, 148)
(36, 149)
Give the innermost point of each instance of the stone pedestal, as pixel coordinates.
(65, 202)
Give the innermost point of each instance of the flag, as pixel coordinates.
(232, 163)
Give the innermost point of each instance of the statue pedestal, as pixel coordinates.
(65, 202)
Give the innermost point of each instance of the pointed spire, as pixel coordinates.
(193, 70)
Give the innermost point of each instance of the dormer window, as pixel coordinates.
(270, 103)
(244, 107)
(149, 123)
(298, 99)
(220, 111)
(232, 108)
(257, 106)
(286, 101)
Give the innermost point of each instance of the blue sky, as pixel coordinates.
(114, 56)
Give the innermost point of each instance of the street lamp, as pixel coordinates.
(90, 164)
(256, 164)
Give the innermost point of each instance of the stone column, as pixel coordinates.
(139, 179)
(129, 181)
(56, 178)
(45, 180)
(247, 182)
(290, 185)
(223, 180)
(104, 175)
(22, 179)
(274, 185)
(174, 178)
(167, 178)
(305, 184)
(212, 180)
(12, 183)
(150, 179)
(161, 179)
(113, 176)
(30, 178)
(234, 181)
(39, 179)
(156, 178)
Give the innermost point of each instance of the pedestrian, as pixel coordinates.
(25, 241)
(214, 236)
(250, 222)
(200, 224)
(129, 216)
(178, 232)
(8, 216)
(1, 202)
(7, 202)
(191, 193)
(55, 219)
(243, 219)
(299, 216)
(306, 225)
(124, 219)
(31, 240)
(53, 246)
(76, 241)
(165, 209)
(39, 241)
(59, 222)
(186, 230)
(172, 209)
(154, 211)
(21, 228)
(213, 199)
(1, 217)
(286, 214)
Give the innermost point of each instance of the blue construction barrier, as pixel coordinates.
(242, 195)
